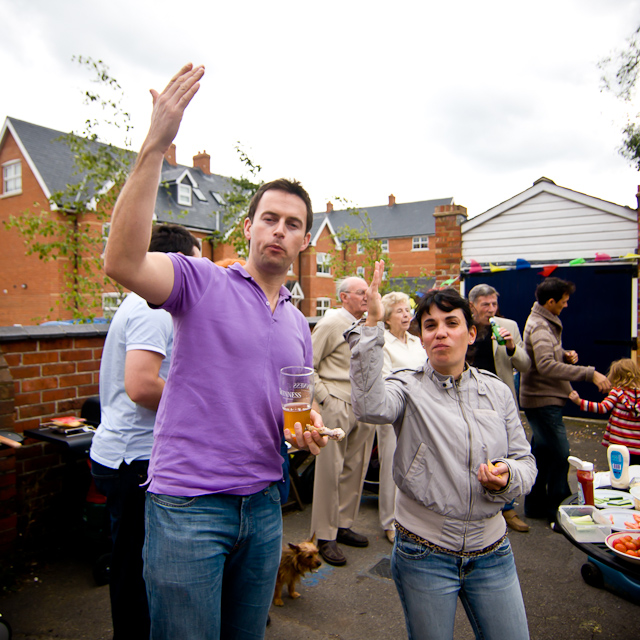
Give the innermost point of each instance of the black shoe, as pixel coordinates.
(351, 538)
(331, 553)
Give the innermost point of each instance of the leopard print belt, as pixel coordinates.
(439, 549)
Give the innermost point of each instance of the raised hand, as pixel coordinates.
(169, 106)
(375, 308)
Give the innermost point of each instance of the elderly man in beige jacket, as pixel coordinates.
(499, 359)
(340, 470)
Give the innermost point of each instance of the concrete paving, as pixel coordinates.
(58, 598)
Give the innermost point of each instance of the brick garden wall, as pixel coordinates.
(45, 371)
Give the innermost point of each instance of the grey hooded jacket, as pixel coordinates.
(446, 428)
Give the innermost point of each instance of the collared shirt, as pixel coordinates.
(220, 421)
(347, 314)
(401, 355)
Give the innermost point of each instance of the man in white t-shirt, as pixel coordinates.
(134, 367)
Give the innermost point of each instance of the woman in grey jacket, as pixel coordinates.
(461, 455)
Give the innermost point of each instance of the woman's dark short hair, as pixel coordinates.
(553, 289)
(445, 300)
(172, 238)
(288, 186)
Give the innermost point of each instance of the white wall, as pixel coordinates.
(550, 227)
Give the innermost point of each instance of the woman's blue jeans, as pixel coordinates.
(210, 564)
(429, 584)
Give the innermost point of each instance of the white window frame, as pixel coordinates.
(106, 230)
(199, 194)
(184, 194)
(323, 265)
(418, 243)
(359, 248)
(12, 180)
(384, 245)
(111, 302)
(322, 306)
(218, 198)
(290, 272)
(360, 272)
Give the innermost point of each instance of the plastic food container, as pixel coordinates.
(583, 532)
(635, 493)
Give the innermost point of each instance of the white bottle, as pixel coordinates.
(618, 456)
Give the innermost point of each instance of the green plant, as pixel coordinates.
(237, 201)
(72, 228)
(620, 76)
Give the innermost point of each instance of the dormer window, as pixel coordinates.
(184, 194)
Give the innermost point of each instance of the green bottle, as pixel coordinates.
(496, 332)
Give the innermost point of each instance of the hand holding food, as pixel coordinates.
(493, 476)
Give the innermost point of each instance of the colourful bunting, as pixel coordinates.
(448, 282)
(494, 269)
(548, 270)
(475, 267)
(521, 263)
(631, 256)
(600, 257)
(577, 261)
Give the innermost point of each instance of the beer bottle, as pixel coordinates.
(495, 329)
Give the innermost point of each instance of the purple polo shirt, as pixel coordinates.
(220, 422)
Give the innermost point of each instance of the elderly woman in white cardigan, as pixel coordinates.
(402, 350)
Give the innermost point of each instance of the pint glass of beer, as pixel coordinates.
(296, 394)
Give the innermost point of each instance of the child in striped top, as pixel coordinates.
(624, 403)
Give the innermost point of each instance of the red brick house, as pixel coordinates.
(417, 236)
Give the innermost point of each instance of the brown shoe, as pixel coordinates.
(513, 522)
(331, 553)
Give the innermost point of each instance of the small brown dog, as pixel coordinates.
(297, 560)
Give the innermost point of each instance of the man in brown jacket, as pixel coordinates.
(544, 390)
(340, 471)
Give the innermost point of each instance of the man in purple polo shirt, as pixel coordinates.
(214, 525)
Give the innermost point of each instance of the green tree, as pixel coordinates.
(620, 76)
(70, 229)
(236, 206)
(356, 240)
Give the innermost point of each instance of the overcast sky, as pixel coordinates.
(357, 99)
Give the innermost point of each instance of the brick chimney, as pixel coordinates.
(449, 219)
(202, 161)
(170, 155)
(392, 200)
(329, 206)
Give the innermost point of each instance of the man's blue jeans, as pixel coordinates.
(429, 584)
(550, 448)
(210, 564)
